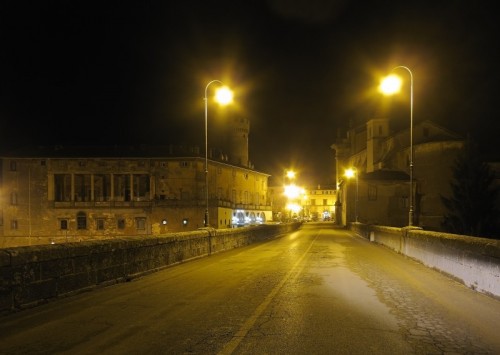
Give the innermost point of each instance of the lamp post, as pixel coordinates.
(349, 173)
(389, 86)
(223, 96)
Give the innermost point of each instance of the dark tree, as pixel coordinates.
(472, 208)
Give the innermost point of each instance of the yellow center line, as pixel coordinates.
(245, 328)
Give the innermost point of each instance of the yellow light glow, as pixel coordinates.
(224, 95)
(294, 207)
(350, 173)
(390, 85)
(290, 174)
(292, 191)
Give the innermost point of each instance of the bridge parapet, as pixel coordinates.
(471, 260)
(32, 275)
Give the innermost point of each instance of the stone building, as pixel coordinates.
(381, 159)
(60, 194)
(319, 204)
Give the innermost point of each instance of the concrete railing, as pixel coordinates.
(36, 274)
(473, 261)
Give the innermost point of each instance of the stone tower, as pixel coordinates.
(238, 141)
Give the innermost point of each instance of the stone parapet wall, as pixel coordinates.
(33, 275)
(473, 261)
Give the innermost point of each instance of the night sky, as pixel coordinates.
(123, 72)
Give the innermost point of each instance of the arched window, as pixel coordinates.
(81, 220)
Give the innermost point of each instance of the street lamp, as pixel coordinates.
(223, 96)
(390, 85)
(349, 173)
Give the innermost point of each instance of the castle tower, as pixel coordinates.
(238, 141)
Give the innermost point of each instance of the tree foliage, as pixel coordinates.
(472, 208)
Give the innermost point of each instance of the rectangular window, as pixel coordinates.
(13, 198)
(325, 202)
(120, 223)
(82, 187)
(63, 224)
(313, 202)
(62, 187)
(81, 220)
(102, 187)
(100, 224)
(13, 165)
(122, 187)
(183, 164)
(403, 202)
(372, 193)
(13, 224)
(141, 186)
(140, 223)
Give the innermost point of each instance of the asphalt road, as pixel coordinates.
(319, 290)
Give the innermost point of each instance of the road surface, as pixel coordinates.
(318, 290)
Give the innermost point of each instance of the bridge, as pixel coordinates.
(314, 290)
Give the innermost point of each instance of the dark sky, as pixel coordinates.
(123, 72)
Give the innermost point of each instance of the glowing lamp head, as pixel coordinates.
(349, 173)
(292, 191)
(390, 85)
(224, 95)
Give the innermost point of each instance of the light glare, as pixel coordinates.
(224, 95)
(349, 173)
(390, 85)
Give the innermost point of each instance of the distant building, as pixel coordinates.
(381, 159)
(315, 203)
(60, 194)
(319, 204)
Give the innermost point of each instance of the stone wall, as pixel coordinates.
(473, 261)
(33, 275)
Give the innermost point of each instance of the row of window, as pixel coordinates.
(80, 187)
(81, 223)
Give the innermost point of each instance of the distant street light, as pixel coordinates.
(391, 85)
(223, 96)
(350, 173)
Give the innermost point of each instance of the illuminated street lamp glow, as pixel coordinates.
(292, 191)
(290, 174)
(223, 96)
(294, 207)
(390, 85)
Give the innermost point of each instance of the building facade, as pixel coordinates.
(319, 203)
(381, 159)
(92, 197)
(63, 194)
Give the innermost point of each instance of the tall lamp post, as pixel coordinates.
(390, 85)
(349, 173)
(223, 96)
